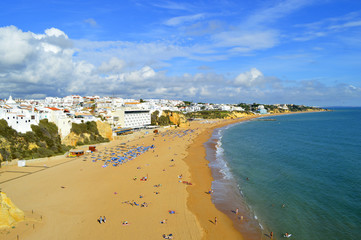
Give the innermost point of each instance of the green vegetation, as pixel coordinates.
(208, 114)
(161, 121)
(298, 108)
(154, 117)
(245, 106)
(187, 103)
(164, 121)
(43, 141)
(88, 132)
(274, 108)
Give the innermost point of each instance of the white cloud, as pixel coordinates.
(184, 19)
(91, 22)
(54, 32)
(282, 8)
(113, 65)
(252, 78)
(328, 26)
(192, 91)
(170, 5)
(36, 63)
(41, 65)
(15, 46)
(246, 41)
(138, 54)
(347, 25)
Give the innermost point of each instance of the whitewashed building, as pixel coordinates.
(19, 117)
(130, 118)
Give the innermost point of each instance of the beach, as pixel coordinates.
(161, 192)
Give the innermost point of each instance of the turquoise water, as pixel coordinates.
(310, 163)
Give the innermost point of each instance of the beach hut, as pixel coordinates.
(92, 148)
(76, 153)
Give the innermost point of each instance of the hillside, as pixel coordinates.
(87, 133)
(42, 141)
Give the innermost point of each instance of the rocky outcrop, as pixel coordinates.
(88, 133)
(9, 213)
(178, 119)
(105, 130)
(234, 114)
(73, 139)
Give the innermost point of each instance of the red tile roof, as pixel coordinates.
(54, 109)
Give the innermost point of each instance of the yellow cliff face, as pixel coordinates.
(178, 119)
(9, 213)
(234, 115)
(105, 130)
(72, 139)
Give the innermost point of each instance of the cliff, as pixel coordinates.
(178, 119)
(215, 114)
(42, 141)
(72, 139)
(88, 133)
(234, 114)
(105, 130)
(9, 213)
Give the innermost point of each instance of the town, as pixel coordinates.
(119, 113)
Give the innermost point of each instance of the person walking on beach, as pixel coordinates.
(237, 211)
(215, 220)
(100, 220)
(104, 219)
(271, 235)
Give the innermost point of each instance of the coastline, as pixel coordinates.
(199, 202)
(81, 190)
(246, 223)
(71, 193)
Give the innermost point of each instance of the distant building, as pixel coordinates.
(131, 118)
(262, 110)
(19, 117)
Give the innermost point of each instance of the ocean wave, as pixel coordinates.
(221, 162)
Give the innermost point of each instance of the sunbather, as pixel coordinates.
(168, 236)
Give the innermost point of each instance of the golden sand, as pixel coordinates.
(64, 197)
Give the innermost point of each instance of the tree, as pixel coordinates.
(154, 117)
(164, 120)
(187, 103)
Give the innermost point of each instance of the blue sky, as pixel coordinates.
(270, 51)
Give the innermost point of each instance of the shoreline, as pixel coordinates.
(224, 184)
(249, 227)
(202, 176)
(80, 190)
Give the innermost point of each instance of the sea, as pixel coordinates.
(298, 174)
